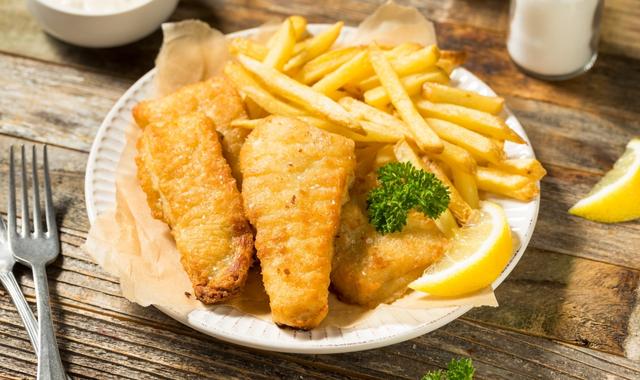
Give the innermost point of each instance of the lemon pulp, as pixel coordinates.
(476, 257)
(616, 198)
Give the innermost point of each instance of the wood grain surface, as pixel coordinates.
(569, 310)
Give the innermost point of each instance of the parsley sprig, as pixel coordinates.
(461, 369)
(403, 188)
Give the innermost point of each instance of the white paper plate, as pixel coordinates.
(231, 325)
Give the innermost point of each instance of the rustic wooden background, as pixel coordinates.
(569, 310)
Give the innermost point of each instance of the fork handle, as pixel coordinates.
(29, 321)
(49, 363)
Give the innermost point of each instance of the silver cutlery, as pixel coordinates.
(13, 289)
(37, 249)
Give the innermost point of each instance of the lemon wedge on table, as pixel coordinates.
(616, 198)
(476, 257)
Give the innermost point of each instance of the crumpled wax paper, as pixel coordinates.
(129, 244)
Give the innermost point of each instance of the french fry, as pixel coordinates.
(438, 93)
(449, 60)
(384, 156)
(499, 143)
(475, 143)
(378, 97)
(375, 133)
(282, 46)
(303, 95)
(314, 47)
(510, 185)
(342, 74)
(426, 139)
(458, 206)
(478, 121)
(403, 49)
(363, 111)
(457, 57)
(406, 153)
(416, 62)
(466, 185)
(529, 167)
(248, 47)
(457, 158)
(253, 109)
(299, 24)
(326, 63)
(252, 89)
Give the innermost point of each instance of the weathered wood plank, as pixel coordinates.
(53, 104)
(575, 300)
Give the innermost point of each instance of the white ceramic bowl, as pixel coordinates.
(101, 30)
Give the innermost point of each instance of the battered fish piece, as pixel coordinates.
(189, 186)
(370, 268)
(217, 98)
(295, 179)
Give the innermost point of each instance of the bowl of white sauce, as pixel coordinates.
(100, 23)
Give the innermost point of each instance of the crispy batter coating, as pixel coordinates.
(217, 98)
(370, 268)
(295, 179)
(189, 186)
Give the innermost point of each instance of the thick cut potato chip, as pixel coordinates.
(416, 62)
(466, 185)
(478, 121)
(315, 46)
(325, 63)
(438, 93)
(475, 143)
(529, 167)
(456, 157)
(510, 185)
(342, 74)
(378, 97)
(299, 24)
(248, 47)
(426, 139)
(362, 111)
(303, 95)
(282, 46)
(252, 89)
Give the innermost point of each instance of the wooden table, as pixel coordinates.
(569, 310)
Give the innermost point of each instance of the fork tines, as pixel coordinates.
(37, 212)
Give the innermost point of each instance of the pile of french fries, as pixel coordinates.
(395, 102)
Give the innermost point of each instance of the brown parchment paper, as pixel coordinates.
(129, 244)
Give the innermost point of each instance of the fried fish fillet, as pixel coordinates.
(189, 186)
(370, 268)
(295, 179)
(217, 98)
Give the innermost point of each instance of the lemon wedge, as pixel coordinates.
(476, 257)
(616, 198)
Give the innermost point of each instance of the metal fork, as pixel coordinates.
(9, 282)
(36, 250)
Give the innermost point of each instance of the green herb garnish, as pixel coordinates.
(403, 188)
(461, 369)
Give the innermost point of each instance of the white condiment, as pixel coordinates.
(552, 37)
(95, 6)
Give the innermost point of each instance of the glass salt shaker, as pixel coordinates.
(554, 39)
